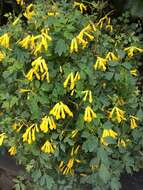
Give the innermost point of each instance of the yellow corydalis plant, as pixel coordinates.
(2, 55)
(30, 134)
(89, 114)
(82, 38)
(60, 110)
(4, 40)
(39, 69)
(134, 72)
(20, 2)
(133, 122)
(12, 151)
(111, 57)
(2, 138)
(100, 64)
(108, 133)
(81, 6)
(87, 94)
(104, 21)
(121, 143)
(17, 127)
(117, 114)
(132, 50)
(36, 43)
(68, 168)
(29, 12)
(48, 147)
(47, 123)
(71, 80)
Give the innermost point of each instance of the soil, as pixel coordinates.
(134, 182)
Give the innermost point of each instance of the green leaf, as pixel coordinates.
(60, 47)
(90, 144)
(104, 173)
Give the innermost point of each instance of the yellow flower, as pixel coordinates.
(74, 151)
(4, 40)
(48, 147)
(2, 137)
(121, 143)
(79, 39)
(74, 133)
(133, 72)
(133, 122)
(72, 80)
(68, 168)
(17, 127)
(30, 74)
(89, 114)
(39, 69)
(118, 113)
(100, 64)
(81, 6)
(111, 57)
(44, 38)
(12, 150)
(108, 133)
(25, 43)
(87, 93)
(59, 111)
(131, 50)
(29, 13)
(74, 46)
(47, 123)
(20, 2)
(2, 55)
(22, 90)
(105, 21)
(29, 135)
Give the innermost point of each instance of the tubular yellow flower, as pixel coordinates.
(17, 127)
(111, 57)
(71, 79)
(4, 40)
(20, 2)
(68, 168)
(29, 12)
(100, 64)
(108, 133)
(121, 143)
(131, 50)
(89, 114)
(25, 43)
(39, 67)
(87, 93)
(105, 21)
(48, 147)
(2, 137)
(12, 150)
(29, 135)
(74, 46)
(74, 133)
(74, 151)
(47, 123)
(133, 122)
(30, 74)
(81, 6)
(133, 72)
(59, 111)
(2, 55)
(119, 114)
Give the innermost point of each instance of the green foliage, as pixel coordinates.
(99, 135)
